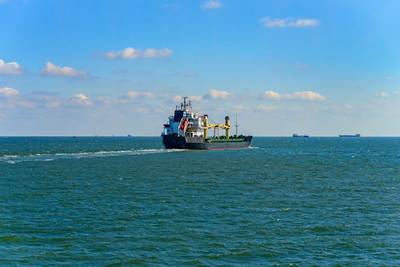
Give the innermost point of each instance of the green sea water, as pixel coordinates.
(96, 201)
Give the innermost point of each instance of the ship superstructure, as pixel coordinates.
(190, 130)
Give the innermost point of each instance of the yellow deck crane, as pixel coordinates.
(207, 125)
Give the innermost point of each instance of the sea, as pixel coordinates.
(127, 201)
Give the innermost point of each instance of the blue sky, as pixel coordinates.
(118, 67)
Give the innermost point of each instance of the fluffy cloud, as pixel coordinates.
(212, 94)
(133, 53)
(136, 94)
(8, 92)
(9, 68)
(217, 94)
(212, 4)
(196, 97)
(302, 95)
(308, 95)
(179, 98)
(289, 22)
(51, 101)
(272, 95)
(81, 99)
(382, 94)
(10, 98)
(265, 108)
(54, 70)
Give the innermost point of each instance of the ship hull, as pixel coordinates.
(218, 146)
(173, 141)
(178, 142)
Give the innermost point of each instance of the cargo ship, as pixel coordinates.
(190, 130)
(350, 135)
(300, 136)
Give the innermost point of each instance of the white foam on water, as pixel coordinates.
(12, 159)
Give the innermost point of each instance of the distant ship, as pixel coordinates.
(189, 130)
(350, 135)
(300, 136)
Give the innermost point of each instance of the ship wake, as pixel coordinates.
(13, 159)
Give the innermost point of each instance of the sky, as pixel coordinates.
(321, 68)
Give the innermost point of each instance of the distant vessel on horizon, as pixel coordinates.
(350, 135)
(300, 136)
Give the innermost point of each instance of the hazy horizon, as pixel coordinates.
(157, 136)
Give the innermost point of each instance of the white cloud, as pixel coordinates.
(212, 4)
(347, 106)
(265, 108)
(10, 98)
(126, 53)
(217, 94)
(54, 70)
(302, 95)
(151, 52)
(308, 95)
(51, 102)
(136, 94)
(10, 67)
(272, 95)
(142, 110)
(289, 22)
(212, 94)
(177, 98)
(8, 92)
(81, 99)
(382, 94)
(133, 53)
(195, 98)
(240, 108)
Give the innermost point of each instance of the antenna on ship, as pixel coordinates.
(236, 125)
(187, 105)
(184, 102)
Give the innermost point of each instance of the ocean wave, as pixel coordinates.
(12, 159)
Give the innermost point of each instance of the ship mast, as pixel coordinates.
(236, 125)
(187, 105)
